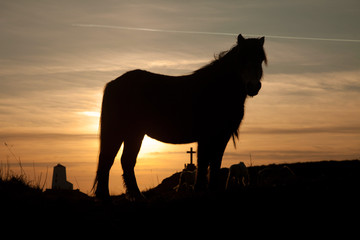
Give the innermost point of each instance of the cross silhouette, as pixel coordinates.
(191, 155)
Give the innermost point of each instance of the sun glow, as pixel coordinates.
(91, 121)
(150, 145)
(90, 114)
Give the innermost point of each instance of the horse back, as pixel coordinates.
(155, 104)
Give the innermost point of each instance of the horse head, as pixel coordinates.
(250, 55)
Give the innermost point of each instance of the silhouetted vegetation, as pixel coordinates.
(321, 189)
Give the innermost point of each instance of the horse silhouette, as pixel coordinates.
(206, 107)
(238, 177)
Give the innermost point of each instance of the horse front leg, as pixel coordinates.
(202, 168)
(210, 152)
(215, 164)
(128, 160)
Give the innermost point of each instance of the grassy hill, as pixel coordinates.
(322, 190)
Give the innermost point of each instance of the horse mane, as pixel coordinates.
(224, 61)
(225, 56)
(219, 59)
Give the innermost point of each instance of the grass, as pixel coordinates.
(7, 175)
(321, 184)
(16, 187)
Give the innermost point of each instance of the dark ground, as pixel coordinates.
(324, 194)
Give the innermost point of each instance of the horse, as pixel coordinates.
(238, 177)
(273, 176)
(186, 181)
(205, 106)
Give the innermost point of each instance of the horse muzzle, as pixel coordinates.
(253, 88)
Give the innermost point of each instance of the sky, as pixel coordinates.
(57, 56)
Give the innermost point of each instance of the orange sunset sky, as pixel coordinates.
(56, 57)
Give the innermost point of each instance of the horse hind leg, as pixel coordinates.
(108, 150)
(132, 147)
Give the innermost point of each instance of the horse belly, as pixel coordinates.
(173, 139)
(174, 132)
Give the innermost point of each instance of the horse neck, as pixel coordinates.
(222, 74)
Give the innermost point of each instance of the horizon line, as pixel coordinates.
(210, 33)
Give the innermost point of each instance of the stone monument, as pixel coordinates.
(59, 179)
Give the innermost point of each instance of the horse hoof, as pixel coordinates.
(106, 202)
(103, 197)
(200, 188)
(103, 200)
(135, 196)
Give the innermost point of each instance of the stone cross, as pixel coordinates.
(191, 155)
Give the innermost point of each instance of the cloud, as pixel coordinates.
(53, 73)
(5, 136)
(47, 147)
(352, 130)
(301, 57)
(315, 83)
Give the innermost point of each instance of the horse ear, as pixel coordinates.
(262, 40)
(240, 39)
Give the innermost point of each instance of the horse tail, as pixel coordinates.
(106, 109)
(105, 116)
(234, 135)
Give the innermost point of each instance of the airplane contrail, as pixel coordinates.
(210, 33)
(151, 29)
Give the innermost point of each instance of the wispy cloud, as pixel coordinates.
(353, 130)
(45, 136)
